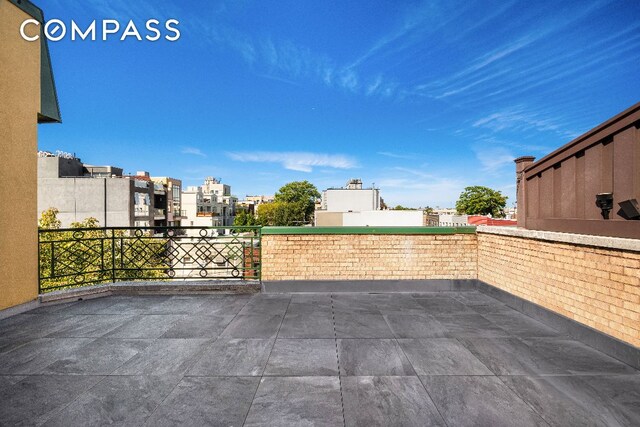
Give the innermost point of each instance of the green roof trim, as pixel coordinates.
(367, 230)
(49, 107)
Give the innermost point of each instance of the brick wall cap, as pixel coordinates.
(553, 236)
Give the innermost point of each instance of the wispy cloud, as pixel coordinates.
(493, 159)
(520, 119)
(297, 161)
(396, 155)
(291, 62)
(193, 151)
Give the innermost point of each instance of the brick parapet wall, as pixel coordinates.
(592, 280)
(368, 257)
(598, 287)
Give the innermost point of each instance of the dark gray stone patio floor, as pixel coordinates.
(442, 359)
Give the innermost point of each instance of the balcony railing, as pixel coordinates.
(141, 210)
(207, 214)
(83, 256)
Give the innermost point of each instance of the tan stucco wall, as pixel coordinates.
(328, 219)
(19, 105)
(368, 257)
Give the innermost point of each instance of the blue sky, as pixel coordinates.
(420, 98)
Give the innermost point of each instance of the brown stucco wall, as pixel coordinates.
(596, 286)
(19, 105)
(368, 257)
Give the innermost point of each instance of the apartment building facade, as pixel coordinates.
(82, 191)
(209, 205)
(173, 190)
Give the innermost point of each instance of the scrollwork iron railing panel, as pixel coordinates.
(83, 256)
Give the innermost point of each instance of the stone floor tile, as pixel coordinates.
(177, 304)
(569, 400)
(397, 304)
(146, 326)
(296, 401)
(415, 326)
(518, 324)
(479, 401)
(119, 400)
(91, 326)
(139, 304)
(372, 357)
(317, 324)
(266, 305)
(354, 303)
(222, 305)
(303, 357)
(99, 357)
(33, 399)
(510, 356)
(493, 309)
(574, 357)
(253, 326)
(233, 357)
(441, 356)
(33, 357)
(470, 325)
(622, 392)
(362, 325)
(8, 344)
(90, 306)
(198, 326)
(388, 401)
(475, 298)
(315, 300)
(443, 305)
(31, 326)
(207, 401)
(164, 357)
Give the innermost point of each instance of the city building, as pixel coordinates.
(353, 205)
(351, 198)
(223, 193)
(250, 203)
(173, 188)
(82, 191)
(200, 209)
(28, 98)
(209, 205)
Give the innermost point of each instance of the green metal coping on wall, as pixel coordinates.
(367, 230)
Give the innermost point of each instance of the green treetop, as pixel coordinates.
(478, 200)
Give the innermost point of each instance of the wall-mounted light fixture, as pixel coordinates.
(604, 201)
(630, 209)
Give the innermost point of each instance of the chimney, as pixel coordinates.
(521, 164)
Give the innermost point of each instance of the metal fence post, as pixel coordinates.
(113, 256)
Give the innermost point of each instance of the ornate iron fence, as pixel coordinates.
(82, 256)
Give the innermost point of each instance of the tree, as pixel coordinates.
(244, 218)
(85, 253)
(296, 203)
(282, 214)
(49, 219)
(402, 208)
(478, 200)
